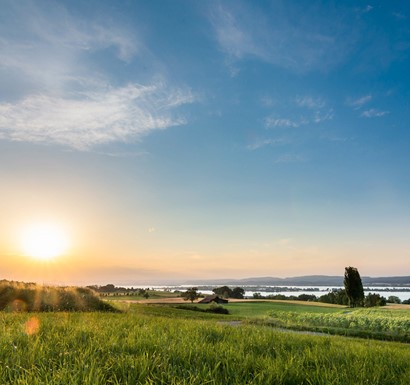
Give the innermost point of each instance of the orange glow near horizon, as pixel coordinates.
(44, 241)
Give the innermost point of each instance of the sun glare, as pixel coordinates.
(44, 241)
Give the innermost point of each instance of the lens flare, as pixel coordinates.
(32, 326)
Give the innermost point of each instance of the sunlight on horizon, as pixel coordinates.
(44, 241)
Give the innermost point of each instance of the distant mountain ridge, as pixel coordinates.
(306, 280)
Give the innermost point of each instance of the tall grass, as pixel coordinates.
(393, 325)
(135, 348)
(19, 296)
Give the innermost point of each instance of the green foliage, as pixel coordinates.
(191, 294)
(227, 292)
(18, 296)
(406, 302)
(336, 296)
(393, 299)
(366, 323)
(223, 291)
(217, 309)
(354, 287)
(238, 292)
(372, 300)
(213, 308)
(135, 348)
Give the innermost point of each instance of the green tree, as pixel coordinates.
(238, 293)
(353, 287)
(336, 296)
(393, 299)
(373, 299)
(191, 294)
(223, 291)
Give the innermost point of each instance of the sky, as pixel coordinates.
(172, 141)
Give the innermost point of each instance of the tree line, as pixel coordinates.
(352, 295)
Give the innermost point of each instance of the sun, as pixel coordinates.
(44, 241)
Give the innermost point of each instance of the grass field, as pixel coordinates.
(263, 308)
(151, 344)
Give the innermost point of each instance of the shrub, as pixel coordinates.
(19, 296)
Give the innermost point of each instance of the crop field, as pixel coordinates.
(150, 344)
(394, 325)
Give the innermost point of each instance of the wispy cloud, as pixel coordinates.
(323, 116)
(49, 50)
(280, 122)
(259, 143)
(399, 15)
(374, 113)
(315, 117)
(359, 102)
(60, 93)
(301, 39)
(97, 117)
(310, 102)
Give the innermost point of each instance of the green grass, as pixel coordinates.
(374, 323)
(153, 294)
(263, 308)
(145, 347)
(161, 344)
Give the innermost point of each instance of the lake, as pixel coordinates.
(400, 292)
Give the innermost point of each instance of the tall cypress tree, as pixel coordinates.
(353, 287)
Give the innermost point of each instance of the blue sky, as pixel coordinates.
(214, 139)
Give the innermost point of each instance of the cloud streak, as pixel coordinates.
(59, 91)
(373, 113)
(360, 102)
(315, 42)
(97, 117)
(281, 122)
(265, 142)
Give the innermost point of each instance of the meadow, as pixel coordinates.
(161, 344)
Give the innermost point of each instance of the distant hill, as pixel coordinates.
(306, 280)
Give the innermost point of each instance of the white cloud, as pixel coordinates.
(374, 113)
(49, 50)
(280, 122)
(320, 116)
(360, 102)
(310, 102)
(92, 118)
(61, 93)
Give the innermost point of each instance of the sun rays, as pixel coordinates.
(44, 241)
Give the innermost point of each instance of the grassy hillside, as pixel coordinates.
(158, 345)
(19, 296)
(163, 344)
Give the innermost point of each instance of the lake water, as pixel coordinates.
(318, 291)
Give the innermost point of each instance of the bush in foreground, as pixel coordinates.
(19, 296)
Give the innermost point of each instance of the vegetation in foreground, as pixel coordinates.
(19, 296)
(144, 347)
(367, 323)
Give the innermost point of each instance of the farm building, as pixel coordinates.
(213, 298)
